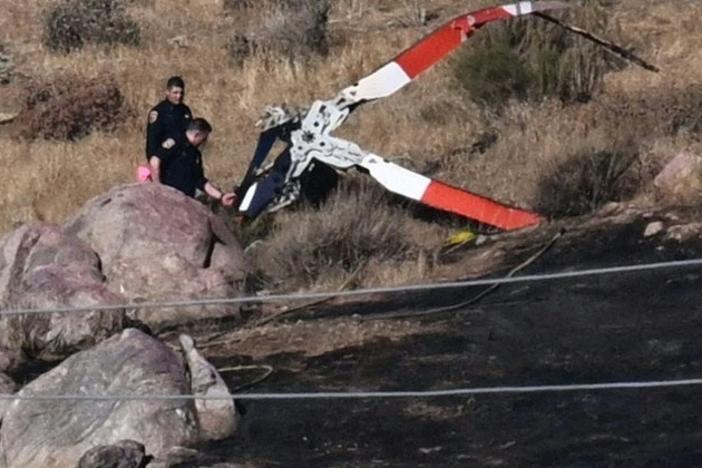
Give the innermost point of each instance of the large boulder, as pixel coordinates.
(52, 434)
(156, 244)
(43, 268)
(680, 181)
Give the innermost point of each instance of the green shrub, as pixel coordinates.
(531, 59)
(493, 75)
(71, 24)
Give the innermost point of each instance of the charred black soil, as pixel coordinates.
(619, 327)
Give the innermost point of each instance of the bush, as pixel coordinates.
(494, 75)
(240, 48)
(71, 24)
(69, 107)
(292, 29)
(237, 5)
(531, 59)
(586, 182)
(7, 65)
(339, 237)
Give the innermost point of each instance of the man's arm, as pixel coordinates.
(161, 155)
(155, 163)
(154, 133)
(227, 199)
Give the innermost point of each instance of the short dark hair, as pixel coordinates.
(175, 81)
(200, 125)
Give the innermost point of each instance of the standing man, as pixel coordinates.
(178, 163)
(169, 117)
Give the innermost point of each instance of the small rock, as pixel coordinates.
(7, 65)
(684, 232)
(10, 360)
(7, 117)
(653, 228)
(217, 419)
(180, 41)
(123, 454)
(175, 456)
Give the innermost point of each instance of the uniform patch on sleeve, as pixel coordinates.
(168, 144)
(153, 116)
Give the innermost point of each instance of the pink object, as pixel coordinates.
(143, 174)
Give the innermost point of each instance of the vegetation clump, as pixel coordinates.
(70, 107)
(71, 24)
(530, 59)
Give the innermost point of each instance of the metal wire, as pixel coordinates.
(601, 386)
(361, 292)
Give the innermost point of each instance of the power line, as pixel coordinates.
(362, 292)
(601, 386)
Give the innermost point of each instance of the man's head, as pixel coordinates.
(197, 132)
(175, 89)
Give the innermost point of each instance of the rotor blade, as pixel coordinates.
(611, 46)
(445, 197)
(418, 58)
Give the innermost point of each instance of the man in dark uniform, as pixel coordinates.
(178, 163)
(168, 117)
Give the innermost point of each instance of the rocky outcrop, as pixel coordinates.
(157, 244)
(52, 434)
(41, 267)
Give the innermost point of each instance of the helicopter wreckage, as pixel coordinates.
(307, 134)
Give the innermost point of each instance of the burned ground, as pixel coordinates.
(620, 327)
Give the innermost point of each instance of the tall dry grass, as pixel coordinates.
(432, 125)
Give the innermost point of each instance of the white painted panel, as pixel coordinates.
(383, 82)
(395, 178)
(246, 202)
(516, 9)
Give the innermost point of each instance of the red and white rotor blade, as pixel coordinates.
(444, 197)
(397, 73)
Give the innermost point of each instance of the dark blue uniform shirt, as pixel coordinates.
(181, 165)
(165, 119)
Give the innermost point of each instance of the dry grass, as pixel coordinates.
(318, 337)
(324, 247)
(432, 121)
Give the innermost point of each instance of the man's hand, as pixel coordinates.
(228, 199)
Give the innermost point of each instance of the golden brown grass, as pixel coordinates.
(431, 120)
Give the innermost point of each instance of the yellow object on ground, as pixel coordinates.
(461, 237)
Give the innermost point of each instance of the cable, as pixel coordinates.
(361, 395)
(362, 292)
(471, 301)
